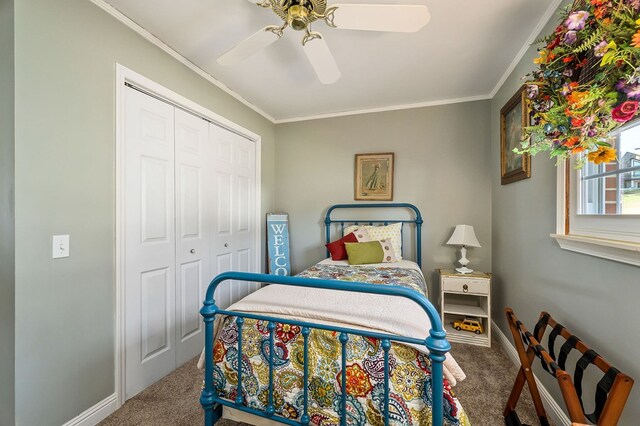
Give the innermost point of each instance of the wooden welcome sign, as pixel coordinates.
(278, 243)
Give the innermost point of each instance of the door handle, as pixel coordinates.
(192, 251)
(226, 244)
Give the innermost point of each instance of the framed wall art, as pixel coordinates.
(514, 117)
(374, 177)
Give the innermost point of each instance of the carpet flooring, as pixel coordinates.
(174, 400)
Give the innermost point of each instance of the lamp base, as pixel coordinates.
(464, 262)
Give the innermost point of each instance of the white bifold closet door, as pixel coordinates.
(233, 244)
(179, 211)
(194, 210)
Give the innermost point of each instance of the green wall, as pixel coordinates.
(595, 298)
(441, 161)
(7, 218)
(447, 163)
(66, 52)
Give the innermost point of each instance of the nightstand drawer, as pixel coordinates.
(465, 285)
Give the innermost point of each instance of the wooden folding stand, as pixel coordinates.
(612, 390)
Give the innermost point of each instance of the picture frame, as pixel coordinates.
(515, 115)
(374, 177)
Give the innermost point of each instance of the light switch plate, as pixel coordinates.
(60, 246)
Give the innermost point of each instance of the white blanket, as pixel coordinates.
(387, 314)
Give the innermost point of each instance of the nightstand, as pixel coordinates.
(466, 296)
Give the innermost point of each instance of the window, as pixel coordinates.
(636, 173)
(599, 205)
(612, 188)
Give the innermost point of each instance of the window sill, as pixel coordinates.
(619, 251)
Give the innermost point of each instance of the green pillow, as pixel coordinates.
(363, 253)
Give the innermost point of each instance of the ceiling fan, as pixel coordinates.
(299, 14)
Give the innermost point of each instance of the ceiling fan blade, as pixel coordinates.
(381, 17)
(248, 47)
(322, 60)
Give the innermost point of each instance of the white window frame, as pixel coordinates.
(613, 237)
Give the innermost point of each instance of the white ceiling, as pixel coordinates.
(462, 53)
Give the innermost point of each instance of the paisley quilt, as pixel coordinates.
(410, 373)
(402, 277)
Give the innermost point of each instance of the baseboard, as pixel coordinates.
(553, 408)
(97, 413)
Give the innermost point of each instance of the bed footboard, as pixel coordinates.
(436, 343)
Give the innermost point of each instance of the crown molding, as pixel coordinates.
(383, 109)
(532, 37)
(195, 68)
(102, 4)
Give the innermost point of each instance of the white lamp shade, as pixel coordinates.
(464, 235)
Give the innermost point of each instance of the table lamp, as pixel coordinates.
(464, 236)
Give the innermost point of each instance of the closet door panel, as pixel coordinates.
(156, 187)
(244, 265)
(244, 194)
(234, 237)
(224, 203)
(194, 204)
(190, 291)
(223, 296)
(221, 241)
(155, 313)
(149, 269)
(244, 232)
(190, 201)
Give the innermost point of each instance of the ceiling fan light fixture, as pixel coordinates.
(300, 14)
(298, 17)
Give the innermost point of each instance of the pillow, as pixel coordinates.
(392, 232)
(336, 248)
(365, 253)
(388, 254)
(362, 234)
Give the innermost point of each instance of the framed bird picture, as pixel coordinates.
(374, 177)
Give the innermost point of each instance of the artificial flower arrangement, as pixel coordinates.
(571, 114)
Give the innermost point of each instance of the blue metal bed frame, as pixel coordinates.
(436, 342)
(417, 221)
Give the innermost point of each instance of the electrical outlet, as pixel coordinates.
(60, 246)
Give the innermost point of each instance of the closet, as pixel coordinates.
(189, 214)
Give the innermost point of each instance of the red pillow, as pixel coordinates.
(337, 248)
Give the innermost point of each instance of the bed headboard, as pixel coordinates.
(417, 221)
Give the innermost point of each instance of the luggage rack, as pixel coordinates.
(612, 390)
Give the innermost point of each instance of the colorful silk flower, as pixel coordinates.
(604, 154)
(587, 82)
(625, 111)
(577, 20)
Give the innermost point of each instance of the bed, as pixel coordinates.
(334, 345)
